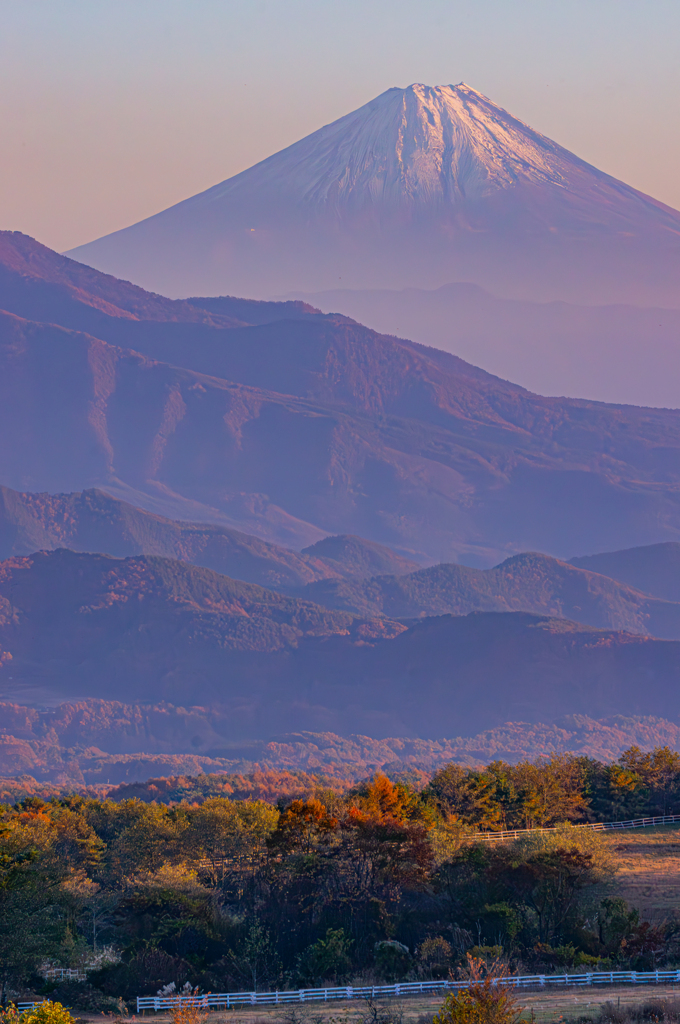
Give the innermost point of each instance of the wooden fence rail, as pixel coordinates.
(227, 1000)
(598, 826)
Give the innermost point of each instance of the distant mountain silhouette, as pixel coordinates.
(295, 429)
(653, 569)
(610, 353)
(96, 522)
(420, 187)
(528, 582)
(148, 629)
(39, 284)
(358, 558)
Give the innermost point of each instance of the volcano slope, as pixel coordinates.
(148, 629)
(417, 188)
(296, 429)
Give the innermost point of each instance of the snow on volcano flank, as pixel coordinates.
(420, 187)
(433, 145)
(424, 145)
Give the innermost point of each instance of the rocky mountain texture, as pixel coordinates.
(528, 582)
(653, 569)
(418, 188)
(96, 522)
(146, 629)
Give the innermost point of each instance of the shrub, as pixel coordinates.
(327, 959)
(434, 957)
(392, 959)
(189, 1013)
(47, 1013)
(486, 1001)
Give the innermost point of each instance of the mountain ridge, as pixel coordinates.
(94, 521)
(528, 582)
(618, 353)
(321, 426)
(653, 569)
(147, 629)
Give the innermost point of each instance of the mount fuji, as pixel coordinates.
(418, 188)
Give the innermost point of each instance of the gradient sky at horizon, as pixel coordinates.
(114, 110)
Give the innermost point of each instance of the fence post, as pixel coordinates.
(542, 977)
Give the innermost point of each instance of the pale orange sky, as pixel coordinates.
(113, 111)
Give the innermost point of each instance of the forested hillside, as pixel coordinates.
(529, 582)
(382, 881)
(148, 629)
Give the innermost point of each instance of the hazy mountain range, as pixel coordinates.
(148, 629)
(282, 522)
(611, 353)
(95, 521)
(636, 590)
(299, 428)
(96, 742)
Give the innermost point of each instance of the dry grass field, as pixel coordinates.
(648, 875)
(557, 1007)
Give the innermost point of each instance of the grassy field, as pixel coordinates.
(648, 876)
(565, 1005)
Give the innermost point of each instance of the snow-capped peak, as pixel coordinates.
(421, 145)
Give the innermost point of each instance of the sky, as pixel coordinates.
(111, 110)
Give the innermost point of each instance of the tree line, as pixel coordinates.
(382, 882)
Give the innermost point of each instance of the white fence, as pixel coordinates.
(227, 1000)
(63, 974)
(598, 826)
